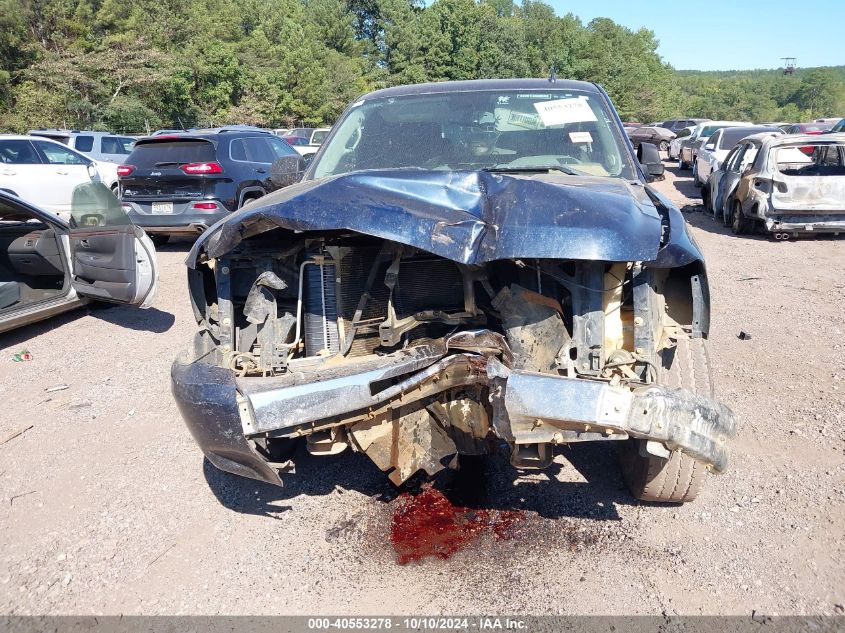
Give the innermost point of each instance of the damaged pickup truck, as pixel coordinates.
(464, 265)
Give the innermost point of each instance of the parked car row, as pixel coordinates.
(771, 181)
(786, 179)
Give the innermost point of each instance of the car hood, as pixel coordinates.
(466, 216)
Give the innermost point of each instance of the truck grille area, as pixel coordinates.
(424, 283)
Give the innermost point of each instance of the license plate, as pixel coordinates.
(163, 207)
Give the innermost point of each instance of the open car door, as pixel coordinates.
(112, 259)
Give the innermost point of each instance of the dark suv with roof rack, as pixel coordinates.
(181, 184)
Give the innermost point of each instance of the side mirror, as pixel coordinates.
(287, 170)
(710, 147)
(649, 157)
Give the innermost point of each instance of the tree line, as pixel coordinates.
(146, 64)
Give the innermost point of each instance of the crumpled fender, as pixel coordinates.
(470, 217)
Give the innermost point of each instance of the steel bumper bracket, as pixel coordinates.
(525, 402)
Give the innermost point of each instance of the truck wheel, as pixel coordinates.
(679, 478)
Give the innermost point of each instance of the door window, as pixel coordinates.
(94, 204)
(18, 152)
(116, 145)
(58, 155)
(237, 150)
(84, 143)
(730, 159)
(258, 150)
(714, 140)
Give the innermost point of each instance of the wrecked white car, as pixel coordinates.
(795, 185)
(464, 265)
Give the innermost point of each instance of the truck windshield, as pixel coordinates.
(475, 130)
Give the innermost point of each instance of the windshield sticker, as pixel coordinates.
(525, 120)
(562, 111)
(580, 137)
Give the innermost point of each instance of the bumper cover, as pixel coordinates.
(806, 223)
(183, 220)
(207, 399)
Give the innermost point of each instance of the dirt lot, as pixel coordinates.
(106, 505)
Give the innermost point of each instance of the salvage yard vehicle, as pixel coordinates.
(659, 136)
(49, 266)
(700, 133)
(101, 146)
(723, 182)
(181, 184)
(714, 151)
(674, 150)
(796, 185)
(46, 172)
(676, 125)
(465, 265)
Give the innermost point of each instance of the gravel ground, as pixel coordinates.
(107, 507)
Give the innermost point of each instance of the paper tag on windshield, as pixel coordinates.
(562, 111)
(580, 137)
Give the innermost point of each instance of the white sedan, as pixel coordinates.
(46, 172)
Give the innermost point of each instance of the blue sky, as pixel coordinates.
(730, 35)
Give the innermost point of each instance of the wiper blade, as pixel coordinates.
(505, 168)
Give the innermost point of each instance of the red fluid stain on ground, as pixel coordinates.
(428, 524)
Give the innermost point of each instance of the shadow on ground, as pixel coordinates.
(147, 320)
(489, 483)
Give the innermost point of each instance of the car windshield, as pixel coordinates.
(815, 127)
(707, 131)
(519, 130)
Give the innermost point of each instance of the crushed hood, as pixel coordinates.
(466, 216)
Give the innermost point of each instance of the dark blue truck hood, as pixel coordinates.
(466, 216)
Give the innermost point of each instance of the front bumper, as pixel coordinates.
(222, 412)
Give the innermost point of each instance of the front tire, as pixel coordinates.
(663, 146)
(680, 478)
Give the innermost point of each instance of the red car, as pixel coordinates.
(809, 128)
